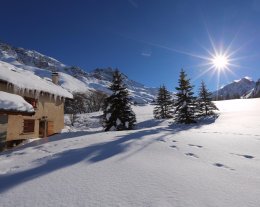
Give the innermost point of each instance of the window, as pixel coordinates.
(28, 125)
(31, 101)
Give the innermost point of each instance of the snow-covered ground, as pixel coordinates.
(158, 164)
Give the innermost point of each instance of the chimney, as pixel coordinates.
(55, 78)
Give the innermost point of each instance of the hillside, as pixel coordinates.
(236, 89)
(158, 164)
(72, 78)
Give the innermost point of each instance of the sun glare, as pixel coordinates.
(220, 62)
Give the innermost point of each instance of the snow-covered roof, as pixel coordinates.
(14, 103)
(24, 79)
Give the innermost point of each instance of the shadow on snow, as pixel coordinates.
(90, 154)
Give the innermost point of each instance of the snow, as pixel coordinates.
(72, 84)
(246, 77)
(212, 163)
(14, 102)
(235, 89)
(24, 79)
(108, 116)
(118, 122)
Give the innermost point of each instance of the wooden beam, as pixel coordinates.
(13, 112)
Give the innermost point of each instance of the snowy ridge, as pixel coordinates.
(72, 78)
(28, 57)
(236, 89)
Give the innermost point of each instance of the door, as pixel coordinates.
(42, 129)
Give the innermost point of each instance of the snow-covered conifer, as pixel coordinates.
(185, 103)
(163, 104)
(118, 114)
(205, 105)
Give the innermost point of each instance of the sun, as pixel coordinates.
(220, 62)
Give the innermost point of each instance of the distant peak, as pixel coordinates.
(246, 78)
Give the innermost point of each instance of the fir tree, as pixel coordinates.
(163, 104)
(185, 103)
(205, 105)
(118, 114)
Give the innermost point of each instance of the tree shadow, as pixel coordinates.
(175, 127)
(53, 138)
(89, 154)
(150, 123)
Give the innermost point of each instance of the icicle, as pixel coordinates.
(55, 97)
(37, 94)
(16, 89)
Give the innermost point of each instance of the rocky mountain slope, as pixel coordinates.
(72, 78)
(255, 92)
(236, 89)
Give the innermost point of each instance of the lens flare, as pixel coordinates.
(220, 62)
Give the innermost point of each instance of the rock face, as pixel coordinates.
(72, 78)
(255, 92)
(236, 89)
(28, 57)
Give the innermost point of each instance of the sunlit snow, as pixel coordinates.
(212, 163)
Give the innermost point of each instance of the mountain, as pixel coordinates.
(72, 78)
(255, 92)
(236, 89)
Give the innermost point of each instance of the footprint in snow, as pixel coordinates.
(44, 150)
(19, 153)
(248, 156)
(222, 166)
(194, 145)
(192, 155)
(245, 156)
(174, 146)
(161, 140)
(174, 141)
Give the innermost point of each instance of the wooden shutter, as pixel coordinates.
(50, 128)
(28, 126)
(31, 101)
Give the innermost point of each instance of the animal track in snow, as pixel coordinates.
(162, 140)
(217, 164)
(245, 156)
(191, 155)
(174, 146)
(194, 145)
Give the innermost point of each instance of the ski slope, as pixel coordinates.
(211, 164)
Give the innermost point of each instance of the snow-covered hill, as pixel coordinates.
(72, 78)
(158, 164)
(236, 89)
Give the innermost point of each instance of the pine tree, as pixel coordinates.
(205, 105)
(185, 103)
(163, 104)
(118, 114)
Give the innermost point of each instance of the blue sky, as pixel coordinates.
(149, 40)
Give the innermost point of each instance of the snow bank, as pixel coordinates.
(14, 102)
(215, 164)
(23, 79)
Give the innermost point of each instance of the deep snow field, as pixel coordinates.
(212, 164)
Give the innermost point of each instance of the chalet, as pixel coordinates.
(44, 114)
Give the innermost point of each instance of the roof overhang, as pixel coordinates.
(13, 112)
